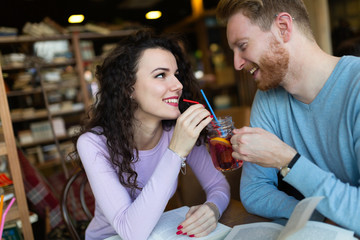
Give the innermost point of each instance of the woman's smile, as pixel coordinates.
(173, 101)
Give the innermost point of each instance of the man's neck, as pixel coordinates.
(309, 70)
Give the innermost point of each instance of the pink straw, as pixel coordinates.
(4, 216)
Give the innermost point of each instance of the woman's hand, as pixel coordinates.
(188, 127)
(199, 221)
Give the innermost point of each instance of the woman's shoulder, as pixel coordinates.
(94, 136)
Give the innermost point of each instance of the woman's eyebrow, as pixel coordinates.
(160, 68)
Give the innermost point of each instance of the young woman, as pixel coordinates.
(139, 136)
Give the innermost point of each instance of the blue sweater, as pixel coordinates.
(326, 133)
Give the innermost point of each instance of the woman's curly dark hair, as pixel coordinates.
(113, 110)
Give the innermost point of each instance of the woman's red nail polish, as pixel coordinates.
(179, 232)
(211, 116)
(179, 227)
(192, 235)
(184, 233)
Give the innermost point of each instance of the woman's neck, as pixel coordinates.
(147, 136)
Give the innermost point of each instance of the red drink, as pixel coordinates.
(219, 134)
(220, 151)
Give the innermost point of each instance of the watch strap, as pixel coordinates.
(285, 170)
(294, 160)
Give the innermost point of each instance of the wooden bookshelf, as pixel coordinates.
(30, 103)
(8, 148)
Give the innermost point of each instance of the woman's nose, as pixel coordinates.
(176, 84)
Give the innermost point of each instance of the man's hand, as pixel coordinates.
(258, 146)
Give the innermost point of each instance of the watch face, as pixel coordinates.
(284, 171)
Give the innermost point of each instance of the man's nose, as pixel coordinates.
(239, 62)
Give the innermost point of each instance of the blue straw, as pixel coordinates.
(211, 110)
(207, 102)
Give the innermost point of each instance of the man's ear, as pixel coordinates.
(284, 24)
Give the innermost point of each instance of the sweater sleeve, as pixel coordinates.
(213, 182)
(259, 193)
(258, 186)
(342, 200)
(131, 219)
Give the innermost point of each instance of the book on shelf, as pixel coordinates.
(12, 229)
(11, 232)
(41, 131)
(13, 215)
(5, 180)
(298, 227)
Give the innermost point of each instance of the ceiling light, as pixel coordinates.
(153, 15)
(78, 18)
(199, 74)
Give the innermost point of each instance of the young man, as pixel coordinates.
(305, 121)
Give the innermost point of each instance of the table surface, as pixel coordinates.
(236, 214)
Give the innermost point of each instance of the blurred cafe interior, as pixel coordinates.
(48, 62)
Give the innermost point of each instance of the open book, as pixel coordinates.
(166, 227)
(298, 227)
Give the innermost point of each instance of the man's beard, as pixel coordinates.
(273, 65)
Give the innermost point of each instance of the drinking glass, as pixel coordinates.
(219, 134)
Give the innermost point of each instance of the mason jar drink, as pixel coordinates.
(219, 134)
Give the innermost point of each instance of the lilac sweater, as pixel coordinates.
(116, 212)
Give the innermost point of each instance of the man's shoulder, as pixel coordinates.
(350, 58)
(272, 95)
(349, 62)
(347, 74)
(270, 102)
